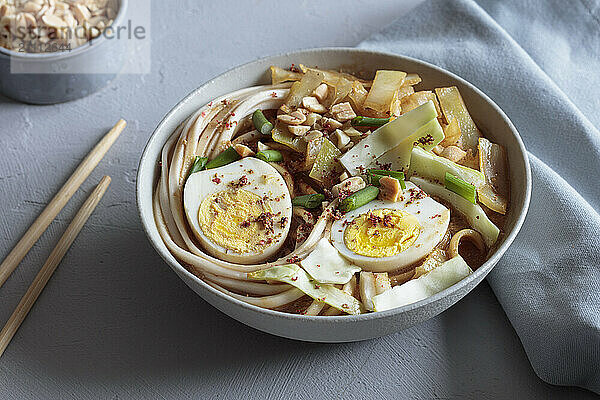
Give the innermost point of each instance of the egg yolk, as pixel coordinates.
(382, 233)
(236, 220)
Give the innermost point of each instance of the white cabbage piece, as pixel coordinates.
(294, 275)
(326, 265)
(441, 278)
(385, 138)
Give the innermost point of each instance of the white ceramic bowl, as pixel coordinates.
(489, 118)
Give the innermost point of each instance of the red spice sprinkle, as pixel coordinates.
(436, 216)
(317, 286)
(387, 221)
(203, 114)
(283, 221)
(241, 182)
(294, 278)
(345, 305)
(318, 265)
(273, 94)
(425, 140)
(216, 179)
(262, 242)
(266, 220)
(293, 259)
(386, 166)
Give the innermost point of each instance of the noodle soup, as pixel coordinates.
(325, 193)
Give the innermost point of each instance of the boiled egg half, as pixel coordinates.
(384, 236)
(240, 212)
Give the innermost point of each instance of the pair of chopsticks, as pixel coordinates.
(43, 221)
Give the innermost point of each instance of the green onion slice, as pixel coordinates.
(460, 187)
(199, 164)
(261, 123)
(226, 157)
(309, 200)
(269, 155)
(376, 174)
(359, 199)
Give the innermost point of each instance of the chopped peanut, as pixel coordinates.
(285, 109)
(294, 118)
(262, 147)
(312, 104)
(348, 186)
(340, 139)
(312, 118)
(243, 150)
(321, 91)
(330, 124)
(298, 130)
(343, 112)
(314, 134)
(352, 132)
(389, 189)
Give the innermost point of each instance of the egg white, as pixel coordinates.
(263, 180)
(431, 215)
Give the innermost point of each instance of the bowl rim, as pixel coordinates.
(61, 55)
(480, 272)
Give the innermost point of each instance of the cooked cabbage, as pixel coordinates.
(428, 165)
(453, 106)
(473, 213)
(293, 275)
(493, 163)
(427, 137)
(326, 265)
(440, 278)
(384, 86)
(385, 138)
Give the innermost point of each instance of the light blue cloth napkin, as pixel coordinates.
(540, 62)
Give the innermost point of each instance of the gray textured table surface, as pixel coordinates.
(115, 322)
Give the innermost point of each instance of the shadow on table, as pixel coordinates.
(124, 320)
(480, 361)
(6, 100)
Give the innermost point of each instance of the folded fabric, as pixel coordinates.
(539, 61)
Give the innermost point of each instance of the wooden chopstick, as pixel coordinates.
(58, 202)
(51, 263)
